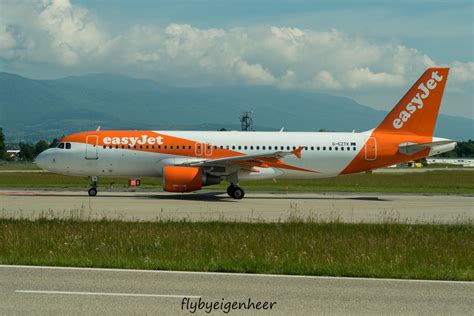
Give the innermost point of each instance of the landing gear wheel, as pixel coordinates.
(92, 192)
(238, 193)
(230, 190)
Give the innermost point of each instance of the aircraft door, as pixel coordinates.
(92, 147)
(371, 149)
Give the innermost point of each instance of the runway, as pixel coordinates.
(44, 290)
(212, 205)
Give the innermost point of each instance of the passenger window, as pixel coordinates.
(330, 148)
(222, 147)
(215, 147)
(233, 147)
(312, 148)
(263, 147)
(342, 148)
(348, 148)
(335, 148)
(305, 147)
(68, 145)
(318, 148)
(354, 148)
(251, 147)
(61, 146)
(116, 146)
(258, 147)
(324, 147)
(245, 147)
(240, 147)
(227, 147)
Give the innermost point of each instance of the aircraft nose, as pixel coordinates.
(42, 160)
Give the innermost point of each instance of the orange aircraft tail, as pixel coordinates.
(406, 133)
(417, 111)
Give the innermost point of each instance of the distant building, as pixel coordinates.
(465, 162)
(13, 153)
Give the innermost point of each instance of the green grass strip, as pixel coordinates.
(444, 252)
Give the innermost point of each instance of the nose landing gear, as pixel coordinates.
(93, 191)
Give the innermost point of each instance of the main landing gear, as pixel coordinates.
(235, 192)
(93, 191)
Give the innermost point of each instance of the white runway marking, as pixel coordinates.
(233, 274)
(104, 294)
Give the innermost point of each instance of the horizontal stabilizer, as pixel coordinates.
(413, 148)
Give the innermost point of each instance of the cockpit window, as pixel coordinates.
(61, 145)
(68, 145)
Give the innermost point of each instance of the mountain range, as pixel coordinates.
(44, 109)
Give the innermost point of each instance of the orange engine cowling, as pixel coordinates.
(182, 179)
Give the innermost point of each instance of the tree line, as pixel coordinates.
(28, 152)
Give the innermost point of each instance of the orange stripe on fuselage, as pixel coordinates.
(169, 141)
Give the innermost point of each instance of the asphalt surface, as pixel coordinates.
(43, 290)
(211, 205)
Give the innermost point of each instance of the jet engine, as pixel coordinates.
(186, 179)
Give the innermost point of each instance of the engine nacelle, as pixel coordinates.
(186, 179)
(182, 179)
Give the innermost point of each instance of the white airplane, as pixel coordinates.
(188, 160)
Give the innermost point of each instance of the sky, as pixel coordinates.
(371, 51)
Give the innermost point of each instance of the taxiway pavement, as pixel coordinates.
(212, 205)
(46, 290)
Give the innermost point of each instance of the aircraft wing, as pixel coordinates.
(258, 160)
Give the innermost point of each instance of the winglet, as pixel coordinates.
(297, 152)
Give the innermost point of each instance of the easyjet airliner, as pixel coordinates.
(188, 160)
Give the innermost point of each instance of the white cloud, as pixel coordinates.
(72, 33)
(462, 72)
(365, 77)
(56, 32)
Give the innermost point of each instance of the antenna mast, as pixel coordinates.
(246, 121)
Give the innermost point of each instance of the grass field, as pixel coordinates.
(26, 166)
(452, 182)
(334, 249)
